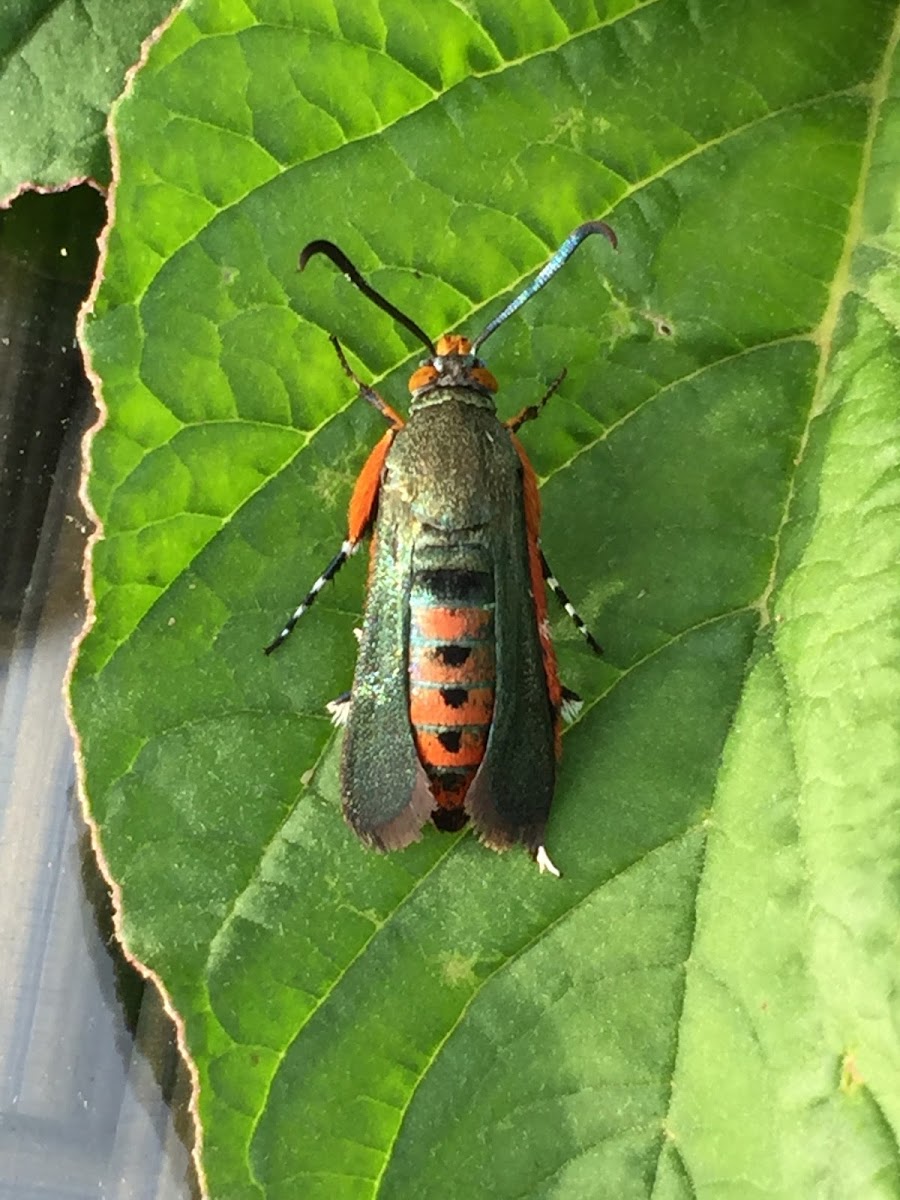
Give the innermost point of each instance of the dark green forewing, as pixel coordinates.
(385, 788)
(509, 799)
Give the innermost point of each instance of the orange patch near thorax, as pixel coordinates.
(365, 494)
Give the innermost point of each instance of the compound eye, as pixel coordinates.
(438, 363)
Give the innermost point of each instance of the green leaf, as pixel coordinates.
(702, 1006)
(62, 63)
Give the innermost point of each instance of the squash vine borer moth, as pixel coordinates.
(456, 707)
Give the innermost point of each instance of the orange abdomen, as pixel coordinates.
(451, 679)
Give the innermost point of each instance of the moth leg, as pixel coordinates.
(339, 709)
(367, 393)
(545, 862)
(571, 704)
(363, 505)
(533, 410)
(347, 548)
(554, 586)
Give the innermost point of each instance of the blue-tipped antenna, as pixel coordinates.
(563, 254)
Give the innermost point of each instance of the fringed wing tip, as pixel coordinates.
(497, 835)
(403, 829)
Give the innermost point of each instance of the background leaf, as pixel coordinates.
(62, 63)
(702, 1006)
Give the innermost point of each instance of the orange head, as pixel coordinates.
(453, 365)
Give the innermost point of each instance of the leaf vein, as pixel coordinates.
(508, 962)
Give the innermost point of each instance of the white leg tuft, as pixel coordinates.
(545, 863)
(339, 710)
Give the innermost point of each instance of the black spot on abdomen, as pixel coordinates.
(453, 656)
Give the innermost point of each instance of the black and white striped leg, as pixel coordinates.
(533, 410)
(347, 548)
(553, 584)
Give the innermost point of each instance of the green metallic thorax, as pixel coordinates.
(453, 462)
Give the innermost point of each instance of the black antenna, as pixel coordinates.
(562, 255)
(343, 264)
